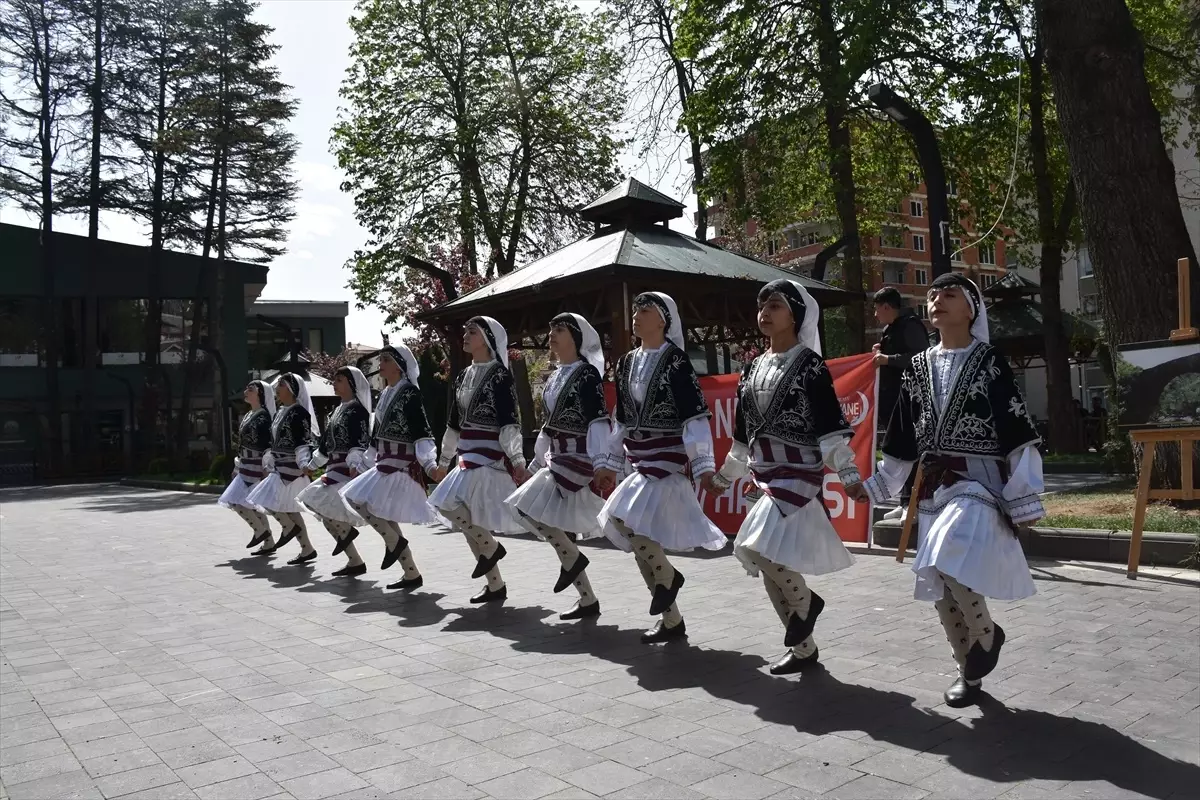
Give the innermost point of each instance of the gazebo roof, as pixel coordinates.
(632, 200)
(1016, 330)
(1012, 285)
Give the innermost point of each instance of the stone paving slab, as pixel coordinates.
(144, 654)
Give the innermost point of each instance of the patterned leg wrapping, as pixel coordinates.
(783, 607)
(655, 569)
(954, 625)
(481, 542)
(567, 553)
(339, 531)
(975, 613)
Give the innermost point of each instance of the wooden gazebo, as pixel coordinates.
(1015, 320)
(632, 250)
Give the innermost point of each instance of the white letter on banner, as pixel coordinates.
(724, 418)
(833, 499)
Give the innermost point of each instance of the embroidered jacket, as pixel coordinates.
(404, 419)
(985, 414)
(483, 429)
(346, 429)
(803, 408)
(254, 432)
(493, 404)
(290, 431)
(580, 402)
(673, 398)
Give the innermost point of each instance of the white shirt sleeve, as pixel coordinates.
(888, 479)
(540, 448)
(317, 460)
(1024, 485)
(369, 458)
(597, 442)
(839, 457)
(616, 447)
(355, 460)
(268, 461)
(303, 454)
(513, 445)
(737, 463)
(427, 453)
(697, 440)
(449, 448)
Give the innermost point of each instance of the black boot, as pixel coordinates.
(664, 596)
(791, 663)
(981, 662)
(800, 629)
(350, 572)
(347, 539)
(567, 576)
(582, 612)
(489, 596)
(961, 694)
(393, 555)
(487, 563)
(661, 633)
(408, 584)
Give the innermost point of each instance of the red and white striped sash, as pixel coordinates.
(288, 469)
(569, 463)
(337, 471)
(478, 448)
(398, 457)
(250, 466)
(658, 457)
(783, 476)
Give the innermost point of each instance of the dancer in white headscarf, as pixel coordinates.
(661, 424)
(484, 435)
(291, 447)
(559, 504)
(787, 428)
(341, 450)
(391, 492)
(962, 419)
(254, 439)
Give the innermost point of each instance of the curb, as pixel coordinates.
(170, 486)
(1159, 548)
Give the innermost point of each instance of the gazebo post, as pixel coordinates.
(622, 333)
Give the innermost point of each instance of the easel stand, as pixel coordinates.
(1150, 439)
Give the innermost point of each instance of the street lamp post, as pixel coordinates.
(930, 157)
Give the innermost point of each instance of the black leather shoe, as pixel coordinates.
(962, 694)
(268, 550)
(488, 596)
(302, 559)
(791, 663)
(258, 539)
(350, 572)
(393, 555)
(341, 545)
(567, 576)
(408, 584)
(661, 633)
(800, 629)
(664, 596)
(582, 612)
(487, 564)
(981, 662)
(287, 536)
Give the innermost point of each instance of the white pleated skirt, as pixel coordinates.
(325, 501)
(540, 500)
(968, 540)
(483, 491)
(804, 541)
(275, 494)
(237, 493)
(394, 496)
(663, 509)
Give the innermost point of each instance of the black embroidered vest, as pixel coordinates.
(404, 419)
(673, 396)
(580, 402)
(254, 432)
(290, 429)
(346, 429)
(804, 406)
(492, 406)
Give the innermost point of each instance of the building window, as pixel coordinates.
(916, 208)
(951, 188)
(316, 340)
(720, 231)
(988, 280)
(771, 248)
(793, 239)
(1085, 263)
(955, 247)
(892, 237)
(264, 345)
(920, 277)
(923, 310)
(893, 274)
(919, 242)
(1090, 304)
(20, 324)
(987, 254)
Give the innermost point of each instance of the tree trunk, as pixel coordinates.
(90, 304)
(47, 130)
(1123, 175)
(153, 330)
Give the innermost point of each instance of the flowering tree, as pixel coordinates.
(417, 289)
(327, 365)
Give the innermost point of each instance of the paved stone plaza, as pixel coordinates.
(146, 655)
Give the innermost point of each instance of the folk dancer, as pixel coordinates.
(291, 446)
(401, 455)
(962, 418)
(341, 449)
(483, 433)
(789, 426)
(254, 438)
(661, 424)
(558, 504)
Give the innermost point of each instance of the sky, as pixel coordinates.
(314, 39)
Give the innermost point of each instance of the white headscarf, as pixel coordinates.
(590, 349)
(267, 395)
(302, 398)
(404, 358)
(979, 320)
(496, 336)
(804, 309)
(670, 314)
(362, 387)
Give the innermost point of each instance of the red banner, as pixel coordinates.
(854, 382)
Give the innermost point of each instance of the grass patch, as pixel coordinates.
(1109, 506)
(1073, 458)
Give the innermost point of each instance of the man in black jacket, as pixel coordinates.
(904, 336)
